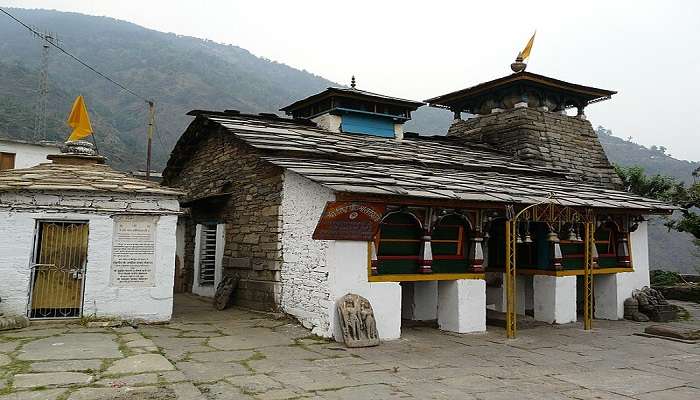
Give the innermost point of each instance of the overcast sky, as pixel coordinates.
(648, 51)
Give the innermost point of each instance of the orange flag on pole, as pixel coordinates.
(528, 47)
(79, 120)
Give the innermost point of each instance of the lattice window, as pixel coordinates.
(207, 255)
(399, 242)
(450, 245)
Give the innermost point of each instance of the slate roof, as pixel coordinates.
(286, 135)
(351, 92)
(84, 178)
(591, 94)
(44, 143)
(433, 168)
(455, 184)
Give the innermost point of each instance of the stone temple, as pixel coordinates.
(515, 213)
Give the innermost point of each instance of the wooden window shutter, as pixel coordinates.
(7, 161)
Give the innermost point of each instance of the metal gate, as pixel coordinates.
(57, 274)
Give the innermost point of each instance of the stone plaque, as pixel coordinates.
(357, 321)
(133, 251)
(344, 220)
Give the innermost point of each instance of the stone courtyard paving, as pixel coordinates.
(238, 354)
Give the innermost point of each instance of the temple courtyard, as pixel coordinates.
(238, 354)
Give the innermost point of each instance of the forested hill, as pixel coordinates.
(179, 73)
(183, 73)
(654, 159)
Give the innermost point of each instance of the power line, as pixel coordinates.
(83, 63)
(48, 39)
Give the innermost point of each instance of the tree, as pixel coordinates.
(635, 181)
(688, 199)
(667, 189)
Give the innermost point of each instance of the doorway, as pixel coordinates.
(58, 270)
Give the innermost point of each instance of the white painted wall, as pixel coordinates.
(28, 154)
(496, 297)
(554, 298)
(347, 261)
(462, 305)
(316, 273)
(610, 291)
(305, 292)
(150, 304)
(328, 122)
(419, 300)
(398, 131)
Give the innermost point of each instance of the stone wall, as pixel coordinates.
(226, 182)
(305, 289)
(544, 138)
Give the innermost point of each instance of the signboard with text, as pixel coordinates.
(345, 220)
(133, 251)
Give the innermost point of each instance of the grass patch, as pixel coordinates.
(14, 368)
(255, 357)
(9, 371)
(126, 350)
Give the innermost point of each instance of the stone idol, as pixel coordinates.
(224, 292)
(357, 321)
(648, 303)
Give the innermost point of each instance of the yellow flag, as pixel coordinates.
(79, 120)
(528, 47)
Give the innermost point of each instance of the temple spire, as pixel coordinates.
(519, 65)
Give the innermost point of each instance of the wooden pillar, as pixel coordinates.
(425, 257)
(623, 250)
(476, 252)
(426, 254)
(557, 256)
(374, 260)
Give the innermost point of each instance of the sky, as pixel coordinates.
(648, 51)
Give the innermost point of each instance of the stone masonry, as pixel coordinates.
(544, 138)
(227, 182)
(204, 354)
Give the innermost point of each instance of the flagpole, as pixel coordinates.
(94, 141)
(151, 117)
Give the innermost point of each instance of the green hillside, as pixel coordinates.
(179, 73)
(183, 73)
(667, 250)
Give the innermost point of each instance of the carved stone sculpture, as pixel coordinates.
(13, 322)
(651, 304)
(357, 321)
(224, 292)
(631, 307)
